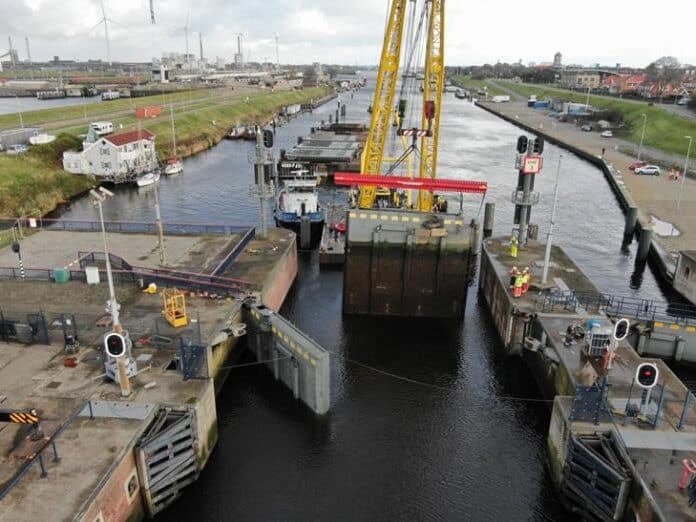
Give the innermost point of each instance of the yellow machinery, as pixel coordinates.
(424, 22)
(175, 307)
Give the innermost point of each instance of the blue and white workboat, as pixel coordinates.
(297, 204)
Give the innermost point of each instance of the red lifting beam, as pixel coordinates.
(397, 182)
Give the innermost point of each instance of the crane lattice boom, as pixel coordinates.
(433, 84)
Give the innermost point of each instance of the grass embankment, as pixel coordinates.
(34, 183)
(466, 82)
(196, 131)
(94, 109)
(664, 130)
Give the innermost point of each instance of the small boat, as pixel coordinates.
(296, 203)
(173, 166)
(41, 139)
(149, 178)
(241, 133)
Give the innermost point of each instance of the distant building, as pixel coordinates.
(557, 60)
(685, 275)
(581, 79)
(117, 157)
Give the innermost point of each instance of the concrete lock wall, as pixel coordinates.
(279, 282)
(120, 497)
(293, 358)
(493, 292)
(403, 263)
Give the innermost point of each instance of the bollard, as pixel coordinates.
(631, 220)
(644, 245)
(488, 220)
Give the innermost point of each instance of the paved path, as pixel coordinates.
(654, 195)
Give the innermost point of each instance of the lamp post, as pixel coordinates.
(686, 167)
(19, 111)
(587, 101)
(549, 237)
(112, 305)
(642, 135)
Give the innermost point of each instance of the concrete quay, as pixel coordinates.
(654, 196)
(590, 402)
(121, 458)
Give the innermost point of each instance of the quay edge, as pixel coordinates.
(650, 447)
(105, 459)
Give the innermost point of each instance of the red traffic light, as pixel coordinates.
(114, 344)
(646, 375)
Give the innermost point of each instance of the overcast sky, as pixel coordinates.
(350, 31)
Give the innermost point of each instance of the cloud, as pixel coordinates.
(347, 32)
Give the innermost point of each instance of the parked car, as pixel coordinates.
(683, 101)
(587, 127)
(552, 114)
(17, 149)
(648, 170)
(607, 134)
(637, 165)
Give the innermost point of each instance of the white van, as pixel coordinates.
(102, 128)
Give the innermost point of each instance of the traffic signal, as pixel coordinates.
(646, 375)
(268, 139)
(15, 247)
(115, 345)
(522, 144)
(621, 329)
(538, 145)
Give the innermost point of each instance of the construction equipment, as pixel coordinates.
(418, 257)
(19, 416)
(175, 307)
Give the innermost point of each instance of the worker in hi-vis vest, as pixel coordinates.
(517, 289)
(513, 246)
(527, 275)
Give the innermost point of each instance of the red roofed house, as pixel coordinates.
(613, 83)
(632, 83)
(117, 157)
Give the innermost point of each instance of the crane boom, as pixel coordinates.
(384, 99)
(433, 86)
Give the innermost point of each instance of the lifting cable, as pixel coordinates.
(387, 374)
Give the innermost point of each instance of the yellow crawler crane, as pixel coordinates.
(384, 102)
(406, 255)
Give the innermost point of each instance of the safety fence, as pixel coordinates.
(616, 305)
(132, 227)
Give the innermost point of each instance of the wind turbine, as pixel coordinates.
(104, 20)
(277, 51)
(187, 28)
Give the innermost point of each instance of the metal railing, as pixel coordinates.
(617, 305)
(133, 227)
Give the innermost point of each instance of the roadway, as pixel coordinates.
(680, 110)
(654, 195)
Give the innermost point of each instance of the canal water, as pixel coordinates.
(426, 422)
(12, 105)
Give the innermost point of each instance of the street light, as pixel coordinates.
(112, 305)
(642, 136)
(587, 101)
(549, 237)
(686, 168)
